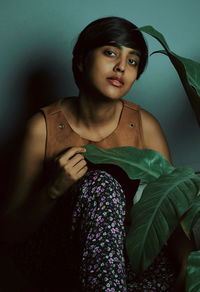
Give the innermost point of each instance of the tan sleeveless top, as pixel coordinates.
(61, 136)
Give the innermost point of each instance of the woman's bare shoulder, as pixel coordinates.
(34, 141)
(154, 137)
(147, 116)
(36, 125)
(150, 123)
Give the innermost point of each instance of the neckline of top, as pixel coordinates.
(60, 102)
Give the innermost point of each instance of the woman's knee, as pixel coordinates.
(101, 200)
(99, 185)
(100, 181)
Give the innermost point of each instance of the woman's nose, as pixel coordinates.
(120, 66)
(119, 69)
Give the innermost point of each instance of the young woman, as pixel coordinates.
(71, 215)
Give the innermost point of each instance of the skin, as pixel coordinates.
(93, 118)
(110, 62)
(98, 117)
(110, 72)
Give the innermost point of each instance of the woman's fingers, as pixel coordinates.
(71, 167)
(68, 155)
(78, 166)
(75, 167)
(74, 161)
(82, 172)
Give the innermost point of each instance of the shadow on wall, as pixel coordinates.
(40, 90)
(34, 87)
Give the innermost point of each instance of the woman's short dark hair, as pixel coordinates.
(102, 32)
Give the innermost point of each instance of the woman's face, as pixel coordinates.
(111, 70)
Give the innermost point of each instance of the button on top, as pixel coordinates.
(61, 126)
(132, 125)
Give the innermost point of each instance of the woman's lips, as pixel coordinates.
(118, 82)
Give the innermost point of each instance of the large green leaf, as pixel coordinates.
(193, 272)
(142, 164)
(188, 70)
(191, 217)
(157, 214)
(168, 195)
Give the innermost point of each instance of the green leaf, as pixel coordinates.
(188, 70)
(142, 164)
(191, 217)
(193, 272)
(185, 66)
(157, 214)
(165, 199)
(156, 34)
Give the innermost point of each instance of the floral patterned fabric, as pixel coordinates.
(100, 211)
(81, 247)
(100, 215)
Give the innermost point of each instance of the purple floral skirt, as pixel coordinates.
(81, 247)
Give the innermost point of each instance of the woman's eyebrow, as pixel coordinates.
(120, 46)
(137, 53)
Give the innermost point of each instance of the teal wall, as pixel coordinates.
(35, 62)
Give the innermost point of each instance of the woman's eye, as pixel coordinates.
(133, 62)
(110, 53)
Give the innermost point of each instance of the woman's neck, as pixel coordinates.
(97, 112)
(92, 119)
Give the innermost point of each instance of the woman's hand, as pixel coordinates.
(70, 167)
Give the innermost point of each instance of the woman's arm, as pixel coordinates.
(25, 209)
(154, 137)
(21, 213)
